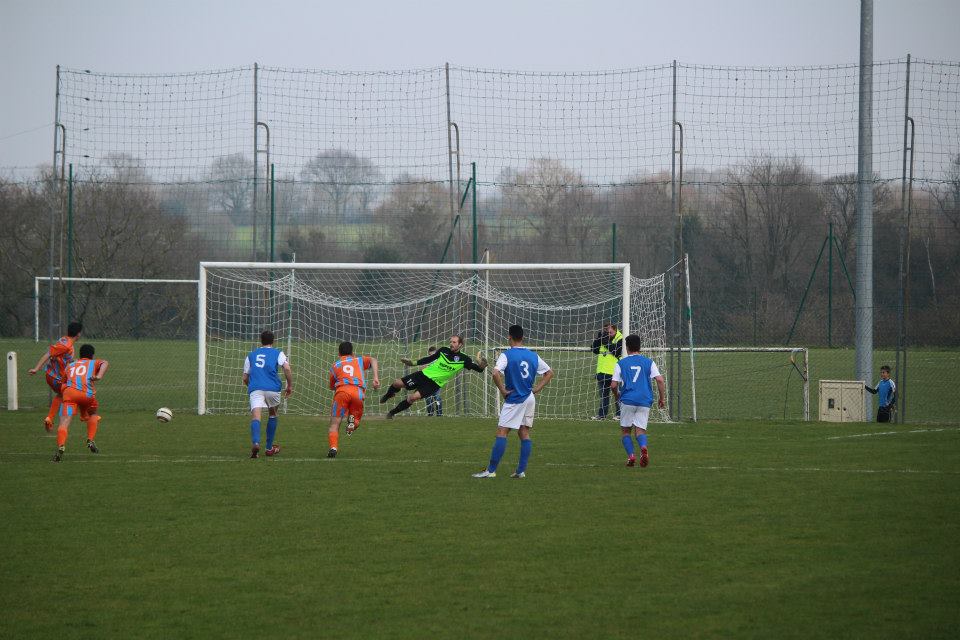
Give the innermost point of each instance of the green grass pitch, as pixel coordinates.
(739, 529)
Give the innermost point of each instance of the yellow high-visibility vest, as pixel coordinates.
(606, 361)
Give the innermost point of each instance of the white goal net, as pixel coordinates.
(392, 311)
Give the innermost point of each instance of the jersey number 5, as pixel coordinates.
(261, 361)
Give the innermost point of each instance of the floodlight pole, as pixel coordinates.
(863, 332)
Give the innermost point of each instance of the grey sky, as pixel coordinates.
(132, 36)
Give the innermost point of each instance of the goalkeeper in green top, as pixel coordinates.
(443, 366)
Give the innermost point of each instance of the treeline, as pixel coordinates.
(753, 233)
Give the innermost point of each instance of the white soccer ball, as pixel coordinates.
(164, 414)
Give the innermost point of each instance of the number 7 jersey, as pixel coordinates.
(634, 374)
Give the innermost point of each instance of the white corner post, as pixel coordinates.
(202, 341)
(13, 402)
(625, 321)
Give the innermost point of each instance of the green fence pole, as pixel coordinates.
(830, 285)
(70, 244)
(807, 290)
(613, 243)
(273, 213)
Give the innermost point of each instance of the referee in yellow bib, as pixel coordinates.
(608, 347)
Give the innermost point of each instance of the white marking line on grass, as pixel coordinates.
(153, 459)
(890, 433)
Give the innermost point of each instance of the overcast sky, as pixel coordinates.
(132, 36)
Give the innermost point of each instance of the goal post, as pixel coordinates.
(393, 311)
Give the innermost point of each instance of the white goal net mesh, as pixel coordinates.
(394, 313)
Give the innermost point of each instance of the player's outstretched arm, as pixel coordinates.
(42, 361)
(407, 361)
(872, 390)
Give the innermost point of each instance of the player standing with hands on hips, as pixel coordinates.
(514, 375)
(632, 385)
(263, 385)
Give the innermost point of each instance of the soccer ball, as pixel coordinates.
(164, 414)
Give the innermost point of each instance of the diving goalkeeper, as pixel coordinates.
(443, 366)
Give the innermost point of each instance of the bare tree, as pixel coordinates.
(231, 179)
(771, 207)
(555, 204)
(342, 181)
(417, 215)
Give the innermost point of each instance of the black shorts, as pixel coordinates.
(418, 381)
(883, 414)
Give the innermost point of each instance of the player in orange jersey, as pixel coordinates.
(349, 385)
(57, 358)
(80, 394)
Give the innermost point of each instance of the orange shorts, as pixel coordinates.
(74, 400)
(347, 401)
(54, 383)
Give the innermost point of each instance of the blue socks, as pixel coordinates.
(255, 431)
(642, 439)
(628, 444)
(271, 430)
(525, 448)
(499, 448)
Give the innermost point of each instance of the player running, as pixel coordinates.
(57, 358)
(349, 385)
(263, 385)
(80, 394)
(632, 386)
(443, 366)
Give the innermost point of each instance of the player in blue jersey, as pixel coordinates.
(263, 385)
(632, 386)
(514, 375)
(886, 392)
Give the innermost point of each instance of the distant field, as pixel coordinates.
(740, 529)
(149, 374)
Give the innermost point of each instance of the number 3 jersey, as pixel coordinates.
(633, 374)
(520, 366)
(261, 365)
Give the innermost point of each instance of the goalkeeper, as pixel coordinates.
(443, 366)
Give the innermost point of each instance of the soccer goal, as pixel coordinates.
(394, 311)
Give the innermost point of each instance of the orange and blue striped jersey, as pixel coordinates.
(348, 371)
(79, 375)
(61, 355)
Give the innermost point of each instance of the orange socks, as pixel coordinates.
(54, 409)
(92, 423)
(333, 437)
(61, 436)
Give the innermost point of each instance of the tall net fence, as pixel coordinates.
(260, 163)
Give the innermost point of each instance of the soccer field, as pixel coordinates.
(147, 374)
(735, 530)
